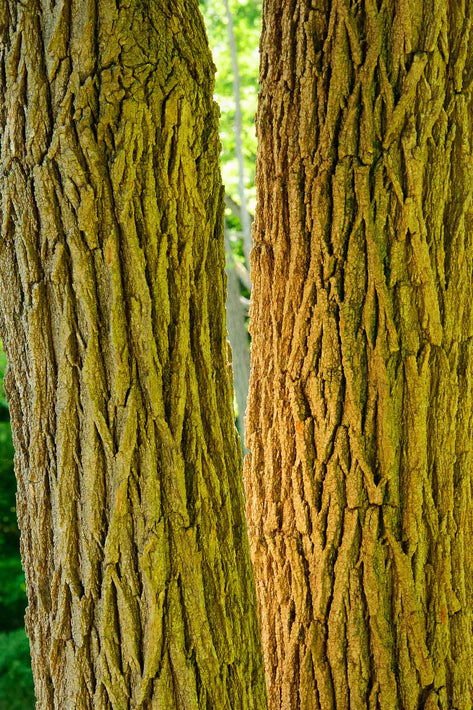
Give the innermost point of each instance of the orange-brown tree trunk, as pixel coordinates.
(359, 480)
(130, 496)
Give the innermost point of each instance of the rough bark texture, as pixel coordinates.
(112, 279)
(359, 480)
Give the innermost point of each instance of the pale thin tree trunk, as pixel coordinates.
(130, 496)
(242, 271)
(359, 480)
(244, 214)
(238, 336)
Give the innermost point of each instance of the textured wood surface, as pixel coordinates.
(112, 279)
(360, 413)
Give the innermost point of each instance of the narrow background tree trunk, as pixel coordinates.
(238, 335)
(130, 497)
(359, 479)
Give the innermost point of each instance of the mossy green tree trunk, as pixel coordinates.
(359, 480)
(112, 286)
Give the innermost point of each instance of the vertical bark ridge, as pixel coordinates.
(112, 274)
(359, 421)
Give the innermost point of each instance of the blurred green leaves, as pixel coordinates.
(247, 25)
(16, 681)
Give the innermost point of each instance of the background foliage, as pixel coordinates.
(247, 24)
(16, 682)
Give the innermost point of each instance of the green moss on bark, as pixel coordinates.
(112, 275)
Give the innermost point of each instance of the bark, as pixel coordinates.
(359, 480)
(238, 336)
(130, 497)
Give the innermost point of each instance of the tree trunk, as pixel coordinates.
(112, 277)
(359, 480)
(238, 336)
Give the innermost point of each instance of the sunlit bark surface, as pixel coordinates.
(360, 413)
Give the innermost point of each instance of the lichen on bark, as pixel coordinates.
(112, 283)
